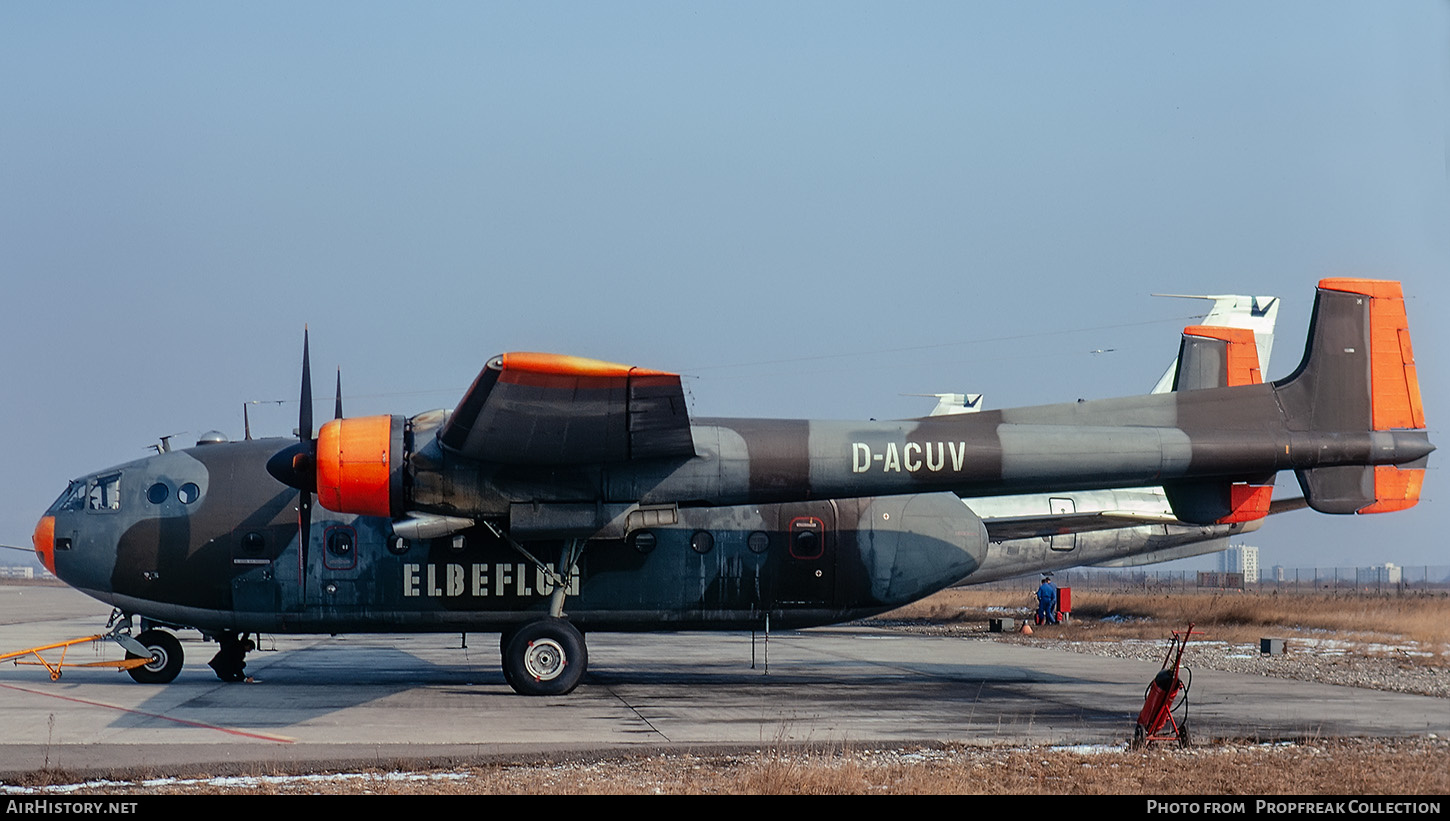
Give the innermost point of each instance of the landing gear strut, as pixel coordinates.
(547, 657)
(230, 661)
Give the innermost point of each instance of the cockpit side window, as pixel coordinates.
(104, 493)
(72, 499)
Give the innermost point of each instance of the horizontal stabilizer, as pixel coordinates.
(1363, 489)
(948, 404)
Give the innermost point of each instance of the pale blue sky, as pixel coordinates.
(872, 199)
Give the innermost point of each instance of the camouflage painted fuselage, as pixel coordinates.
(708, 523)
(229, 559)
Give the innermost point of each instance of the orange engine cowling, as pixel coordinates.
(360, 465)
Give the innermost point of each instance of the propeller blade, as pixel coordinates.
(304, 531)
(296, 466)
(337, 409)
(304, 464)
(304, 417)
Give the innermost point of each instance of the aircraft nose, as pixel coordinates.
(44, 541)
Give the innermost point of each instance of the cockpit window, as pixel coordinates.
(104, 493)
(74, 496)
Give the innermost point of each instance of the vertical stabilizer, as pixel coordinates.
(1256, 313)
(1212, 357)
(1358, 374)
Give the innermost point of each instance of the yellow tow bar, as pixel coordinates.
(19, 657)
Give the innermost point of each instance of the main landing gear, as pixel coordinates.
(547, 657)
(544, 658)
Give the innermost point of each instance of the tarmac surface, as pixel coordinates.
(421, 700)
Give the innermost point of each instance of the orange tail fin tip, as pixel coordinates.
(1243, 353)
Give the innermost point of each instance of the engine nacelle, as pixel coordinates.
(360, 465)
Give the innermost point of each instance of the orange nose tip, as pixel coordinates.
(44, 541)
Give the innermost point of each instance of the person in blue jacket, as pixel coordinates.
(1046, 602)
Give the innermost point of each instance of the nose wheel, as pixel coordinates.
(166, 658)
(545, 658)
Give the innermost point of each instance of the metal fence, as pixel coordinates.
(1363, 580)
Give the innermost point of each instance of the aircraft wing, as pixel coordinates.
(548, 409)
(1003, 528)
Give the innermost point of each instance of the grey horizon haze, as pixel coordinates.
(808, 209)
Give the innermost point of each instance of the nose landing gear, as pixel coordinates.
(164, 650)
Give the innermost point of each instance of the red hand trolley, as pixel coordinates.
(1167, 694)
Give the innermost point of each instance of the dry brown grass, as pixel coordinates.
(1324, 767)
(1222, 615)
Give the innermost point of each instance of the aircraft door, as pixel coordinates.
(255, 586)
(808, 563)
(333, 578)
(1061, 505)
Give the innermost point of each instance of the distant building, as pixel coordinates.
(1387, 573)
(1278, 573)
(1240, 559)
(17, 573)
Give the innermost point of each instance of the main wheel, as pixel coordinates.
(545, 658)
(166, 658)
